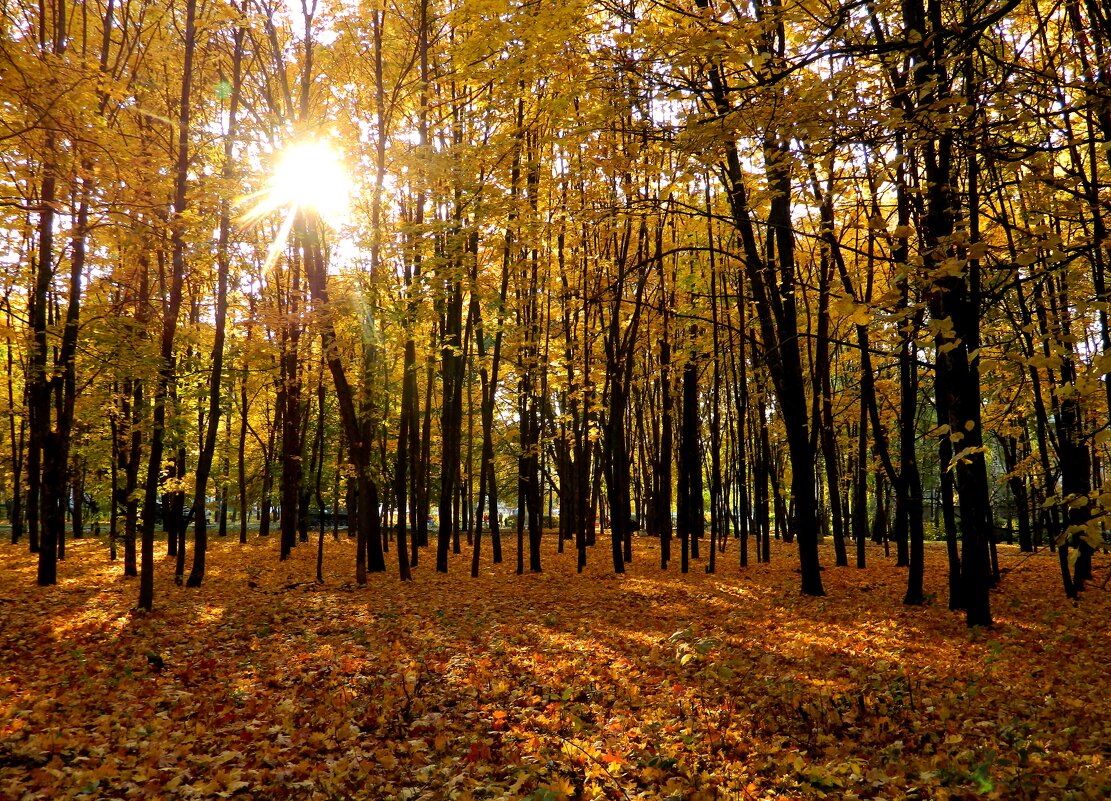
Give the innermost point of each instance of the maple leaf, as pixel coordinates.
(558, 789)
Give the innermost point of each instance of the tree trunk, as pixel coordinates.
(40, 460)
(451, 416)
(772, 283)
(691, 520)
(215, 378)
(662, 474)
(289, 400)
(170, 315)
(370, 554)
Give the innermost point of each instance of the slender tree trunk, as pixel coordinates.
(38, 389)
(369, 554)
(176, 498)
(772, 283)
(662, 474)
(691, 513)
(170, 315)
(743, 428)
(909, 477)
(1017, 485)
(114, 507)
(451, 417)
(77, 490)
(215, 379)
(717, 501)
(17, 440)
(241, 452)
(266, 502)
(289, 400)
(487, 481)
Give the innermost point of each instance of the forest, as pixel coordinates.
(808, 294)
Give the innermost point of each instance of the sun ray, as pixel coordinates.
(279, 240)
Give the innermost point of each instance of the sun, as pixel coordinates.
(308, 176)
(311, 176)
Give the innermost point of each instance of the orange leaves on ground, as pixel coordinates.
(655, 685)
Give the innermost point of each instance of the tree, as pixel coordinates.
(215, 381)
(171, 311)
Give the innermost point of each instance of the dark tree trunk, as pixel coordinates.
(948, 509)
(762, 475)
(1017, 485)
(37, 383)
(216, 374)
(77, 493)
(17, 439)
(823, 396)
(114, 506)
(171, 310)
(662, 474)
(910, 480)
(488, 376)
(402, 463)
(369, 543)
(131, 452)
(879, 518)
(826, 427)
(771, 278)
(953, 302)
(265, 501)
(289, 402)
(740, 353)
(691, 521)
(616, 463)
(451, 416)
(241, 452)
(176, 502)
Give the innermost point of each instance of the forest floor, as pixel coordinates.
(263, 684)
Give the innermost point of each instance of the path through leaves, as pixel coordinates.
(266, 685)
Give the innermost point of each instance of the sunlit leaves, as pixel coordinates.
(507, 686)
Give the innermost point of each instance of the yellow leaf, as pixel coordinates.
(560, 787)
(977, 250)
(862, 315)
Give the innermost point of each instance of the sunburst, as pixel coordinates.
(309, 177)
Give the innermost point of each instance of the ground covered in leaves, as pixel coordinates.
(266, 685)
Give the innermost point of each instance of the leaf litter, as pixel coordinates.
(547, 687)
